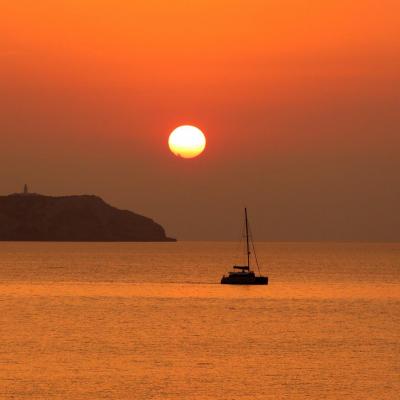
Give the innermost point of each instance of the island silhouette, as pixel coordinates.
(35, 217)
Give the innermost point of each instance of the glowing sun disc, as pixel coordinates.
(187, 141)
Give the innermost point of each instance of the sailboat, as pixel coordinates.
(242, 274)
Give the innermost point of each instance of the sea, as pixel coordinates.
(149, 321)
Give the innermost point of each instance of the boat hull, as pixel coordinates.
(257, 280)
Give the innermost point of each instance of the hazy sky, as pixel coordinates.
(299, 100)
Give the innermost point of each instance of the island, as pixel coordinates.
(34, 217)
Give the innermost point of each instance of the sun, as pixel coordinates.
(187, 141)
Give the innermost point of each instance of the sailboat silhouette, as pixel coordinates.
(242, 274)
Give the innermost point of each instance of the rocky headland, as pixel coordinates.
(35, 217)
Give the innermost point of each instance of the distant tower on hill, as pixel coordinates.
(26, 191)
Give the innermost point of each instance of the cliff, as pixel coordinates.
(34, 217)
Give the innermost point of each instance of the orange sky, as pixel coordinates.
(298, 98)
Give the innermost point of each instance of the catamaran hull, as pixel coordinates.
(258, 280)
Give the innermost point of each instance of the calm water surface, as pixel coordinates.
(150, 321)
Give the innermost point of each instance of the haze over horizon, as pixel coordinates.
(299, 103)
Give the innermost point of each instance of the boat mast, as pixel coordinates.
(247, 239)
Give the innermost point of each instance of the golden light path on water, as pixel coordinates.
(291, 291)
